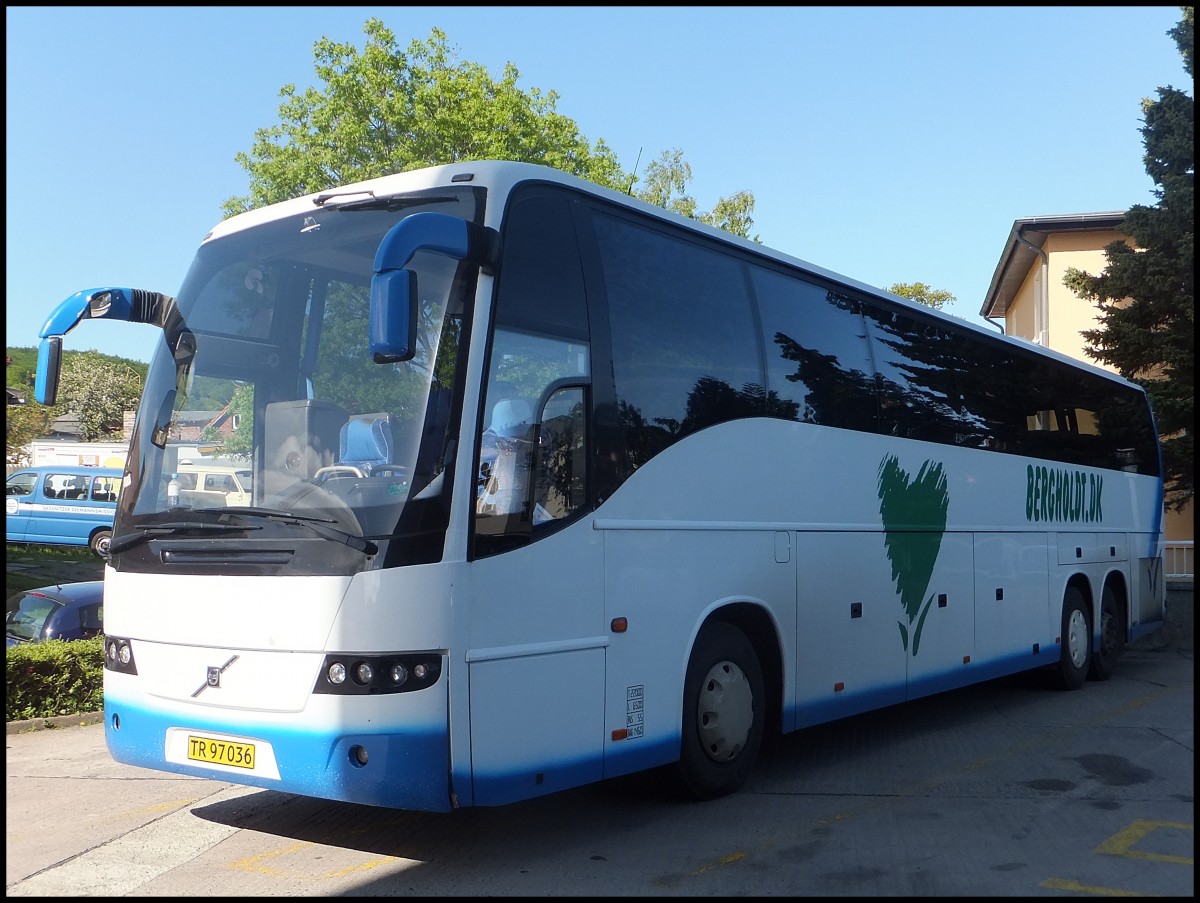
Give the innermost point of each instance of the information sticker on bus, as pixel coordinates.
(220, 752)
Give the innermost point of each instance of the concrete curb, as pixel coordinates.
(41, 724)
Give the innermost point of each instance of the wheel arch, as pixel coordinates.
(1081, 582)
(1118, 583)
(754, 619)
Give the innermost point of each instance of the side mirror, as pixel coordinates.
(394, 288)
(49, 364)
(393, 316)
(126, 304)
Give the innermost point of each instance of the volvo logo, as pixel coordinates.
(214, 677)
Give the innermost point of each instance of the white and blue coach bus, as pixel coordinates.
(551, 485)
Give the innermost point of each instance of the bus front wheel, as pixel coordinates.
(1076, 655)
(1112, 637)
(723, 707)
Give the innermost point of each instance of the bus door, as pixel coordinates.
(537, 650)
(537, 643)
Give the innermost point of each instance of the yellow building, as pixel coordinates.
(1027, 293)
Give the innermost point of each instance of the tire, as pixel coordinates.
(1112, 637)
(723, 713)
(99, 542)
(1075, 660)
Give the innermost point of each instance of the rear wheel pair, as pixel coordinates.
(1078, 660)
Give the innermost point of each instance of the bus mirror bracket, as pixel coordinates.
(126, 304)
(394, 299)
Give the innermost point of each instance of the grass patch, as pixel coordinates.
(30, 566)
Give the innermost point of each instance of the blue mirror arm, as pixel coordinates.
(436, 232)
(130, 305)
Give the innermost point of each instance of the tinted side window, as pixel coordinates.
(818, 363)
(1085, 421)
(684, 350)
(917, 362)
(531, 475)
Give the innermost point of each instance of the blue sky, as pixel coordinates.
(887, 144)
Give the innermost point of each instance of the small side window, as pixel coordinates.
(20, 484)
(560, 458)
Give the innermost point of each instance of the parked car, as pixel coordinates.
(61, 504)
(205, 484)
(65, 611)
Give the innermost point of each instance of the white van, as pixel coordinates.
(204, 484)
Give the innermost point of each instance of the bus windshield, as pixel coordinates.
(264, 361)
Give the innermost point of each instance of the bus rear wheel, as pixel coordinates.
(723, 713)
(1112, 637)
(1075, 659)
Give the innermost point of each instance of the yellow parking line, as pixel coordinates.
(1065, 884)
(1121, 843)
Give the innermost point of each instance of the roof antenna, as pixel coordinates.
(633, 178)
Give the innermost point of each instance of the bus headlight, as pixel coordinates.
(397, 672)
(118, 655)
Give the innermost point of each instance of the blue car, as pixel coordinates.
(65, 611)
(62, 505)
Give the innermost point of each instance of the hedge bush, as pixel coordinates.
(56, 677)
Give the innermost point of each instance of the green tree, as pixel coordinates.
(98, 391)
(936, 298)
(30, 421)
(22, 424)
(1146, 293)
(239, 443)
(666, 185)
(386, 110)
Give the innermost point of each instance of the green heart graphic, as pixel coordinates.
(914, 521)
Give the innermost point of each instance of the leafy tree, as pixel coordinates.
(30, 421)
(22, 424)
(666, 185)
(20, 366)
(384, 110)
(239, 443)
(936, 298)
(1146, 293)
(98, 392)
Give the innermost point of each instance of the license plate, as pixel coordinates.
(220, 752)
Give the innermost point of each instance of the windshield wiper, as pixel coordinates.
(129, 540)
(319, 525)
(391, 203)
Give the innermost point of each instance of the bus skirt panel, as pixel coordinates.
(378, 751)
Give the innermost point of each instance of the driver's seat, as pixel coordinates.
(365, 442)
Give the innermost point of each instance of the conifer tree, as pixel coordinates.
(1146, 294)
